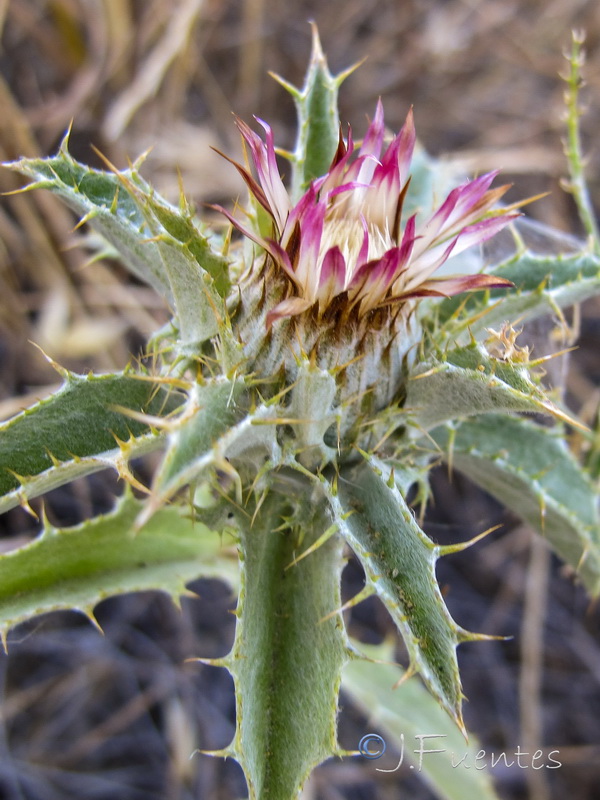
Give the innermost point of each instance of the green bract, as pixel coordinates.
(306, 383)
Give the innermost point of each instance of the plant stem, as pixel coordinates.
(577, 184)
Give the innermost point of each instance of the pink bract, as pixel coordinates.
(346, 236)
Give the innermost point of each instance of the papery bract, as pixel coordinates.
(346, 235)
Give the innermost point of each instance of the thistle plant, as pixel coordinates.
(330, 343)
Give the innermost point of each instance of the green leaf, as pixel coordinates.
(75, 431)
(182, 226)
(469, 381)
(558, 273)
(287, 658)
(218, 429)
(542, 285)
(160, 244)
(404, 713)
(399, 563)
(200, 312)
(318, 119)
(75, 568)
(530, 469)
(198, 274)
(101, 197)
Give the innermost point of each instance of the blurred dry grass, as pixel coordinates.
(133, 74)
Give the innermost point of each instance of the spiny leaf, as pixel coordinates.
(216, 427)
(318, 119)
(403, 710)
(161, 245)
(198, 275)
(74, 432)
(468, 381)
(100, 197)
(528, 271)
(287, 659)
(182, 226)
(312, 399)
(530, 469)
(201, 314)
(399, 563)
(67, 471)
(77, 567)
(542, 284)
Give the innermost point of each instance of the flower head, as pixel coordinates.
(345, 240)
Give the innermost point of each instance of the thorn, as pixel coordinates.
(55, 461)
(317, 55)
(458, 548)
(226, 753)
(17, 476)
(289, 87)
(114, 206)
(409, 673)
(334, 485)
(30, 186)
(152, 421)
(146, 513)
(364, 593)
(562, 415)
(469, 636)
(519, 203)
(283, 421)
(281, 151)
(543, 514)
(225, 466)
(261, 500)
(47, 527)
(582, 558)
(24, 503)
(391, 429)
(89, 613)
(133, 190)
(64, 145)
(135, 167)
(121, 443)
(86, 218)
(341, 77)
(339, 367)
(126, 474)
(391, 482)
(210, 662)
(315, 546)
(484, 312)
(450, 460)
(317, 50)
(363, 453)
(106, 161)
(62, 371)
(302, 356)
(427, 374)
(461, 725)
